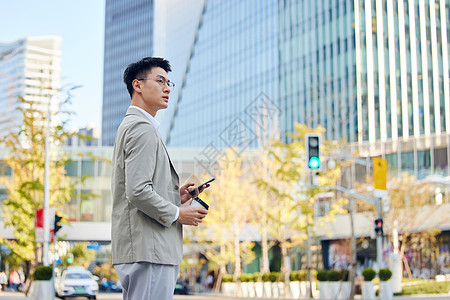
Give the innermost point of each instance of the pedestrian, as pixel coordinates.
(3, 280)
(14, 280)
(149, 206)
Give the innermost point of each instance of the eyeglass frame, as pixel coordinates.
(162, 79)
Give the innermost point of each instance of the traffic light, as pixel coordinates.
(313, 151)
(57, 223)
(379, 227)
(70, 258)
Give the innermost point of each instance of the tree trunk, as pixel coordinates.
(222, 271)
(265, 252)
(237, 252)
(285, 268)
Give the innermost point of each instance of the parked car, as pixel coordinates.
(181, 288)
(76, 282)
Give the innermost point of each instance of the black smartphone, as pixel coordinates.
(192, 192)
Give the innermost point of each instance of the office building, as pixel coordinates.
(128, 38)
(29, 68)
(372, 73)
(87, 136)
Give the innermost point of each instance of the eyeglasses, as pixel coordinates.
(161, 80)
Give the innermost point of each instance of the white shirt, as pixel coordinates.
(156, 124)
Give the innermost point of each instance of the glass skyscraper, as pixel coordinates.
(29, 68)
(373, 73)
(128, 38)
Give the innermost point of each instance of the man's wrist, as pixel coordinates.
(177, 214)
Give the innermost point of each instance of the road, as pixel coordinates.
(117, 296)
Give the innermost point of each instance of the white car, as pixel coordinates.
(76, 282)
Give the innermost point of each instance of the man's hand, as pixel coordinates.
(191, 215)
(185, 189)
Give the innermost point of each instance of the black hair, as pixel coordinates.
(140, 68)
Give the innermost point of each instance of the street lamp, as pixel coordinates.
(46, 180)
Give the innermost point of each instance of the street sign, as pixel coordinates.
(39, 225)
(379, 173)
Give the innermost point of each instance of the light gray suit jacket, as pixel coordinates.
(145, 191)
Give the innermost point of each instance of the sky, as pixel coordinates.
(81, 24)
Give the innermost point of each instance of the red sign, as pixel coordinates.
(40, 218)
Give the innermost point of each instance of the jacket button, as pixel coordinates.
(176, 188)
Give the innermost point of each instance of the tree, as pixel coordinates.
(80, 254)
(290, 199)
(410, 204)
(228, 214)
(25, 187)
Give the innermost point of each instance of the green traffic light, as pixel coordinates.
(314, 162)
(70, 260)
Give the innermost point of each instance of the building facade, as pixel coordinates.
(373, 73)
(29, 68)
(128, 38)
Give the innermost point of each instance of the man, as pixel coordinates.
(149, 207)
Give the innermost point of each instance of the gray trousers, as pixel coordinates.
(147, 281)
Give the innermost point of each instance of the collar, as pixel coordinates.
(149, 116)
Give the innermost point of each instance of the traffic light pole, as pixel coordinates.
(54, 263)
(379, 236)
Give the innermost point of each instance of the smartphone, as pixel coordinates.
(192, 192)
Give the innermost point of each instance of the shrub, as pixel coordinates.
(293, 276)
(333, 275)
(369, 274)
(247, 277)
(344, 275)
(42, 273)
(244, 277)
(384, 274)
(273, 276)
(313, 274)
(227, 278)
(265, 277)
(322, 275)
(302, 275)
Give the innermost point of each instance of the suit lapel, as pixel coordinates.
(133, 111)
(168, 156)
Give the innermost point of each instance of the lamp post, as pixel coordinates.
(47, 179)
(47, 188)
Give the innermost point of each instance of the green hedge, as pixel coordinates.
(227, 278)
(369, 274)
(333, 275)
(42, 273)
(384, 274)
(426, 288)
(322, 275)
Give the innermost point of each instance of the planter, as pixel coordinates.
(275, 290)
(267, 289)
(251, 289)
(41, 290)
(335, 287)
(259, 289)
(345, 290)
(368, 292)
(325, 289)
(386, 292)
(281, 289)
(300, 289)
(229, 288)
(244, 289)
(294, 286)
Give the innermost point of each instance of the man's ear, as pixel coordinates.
(136, 85)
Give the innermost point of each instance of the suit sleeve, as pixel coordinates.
(141, 146)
